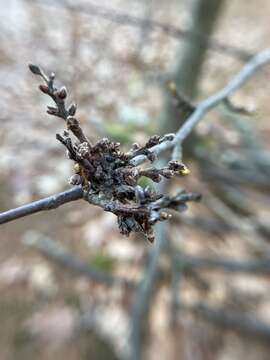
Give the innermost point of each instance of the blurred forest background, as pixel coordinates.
(115, 57)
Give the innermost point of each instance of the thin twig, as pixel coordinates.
(232, 320)
(260, 266)
(246, 227)
(205, 106)
(49, 203)
(245, 73)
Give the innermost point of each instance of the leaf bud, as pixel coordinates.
(34, 69)
(44, 88)
(72, 109)
(62, 93)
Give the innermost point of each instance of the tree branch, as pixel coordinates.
(143, 295)
(49, 203)
(247, 71)
(206, 105)
(56, 200)
(260, 266)
(232, 320)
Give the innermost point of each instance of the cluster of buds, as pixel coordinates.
(109, 177)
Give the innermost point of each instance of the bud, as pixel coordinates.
(77, 168)
(151, 156)
(150, 235)
(83, 150)
(172, 87)
(168, 174)
(153, 140)
(52, 110)
(62, 93)
(156, 178)
(135, 146)
(178, 167)
(164, 216)
(44, 89)
(72, 109)
(75, 179)
(34, 69)
(184, 171)
(168, 137)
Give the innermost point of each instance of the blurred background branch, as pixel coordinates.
(200, 39)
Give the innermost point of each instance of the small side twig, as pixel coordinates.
(256, 267)
(231, 320)
(206, 105)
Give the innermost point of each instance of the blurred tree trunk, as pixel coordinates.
(190, 59)
(187, 71)
(186, 74)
